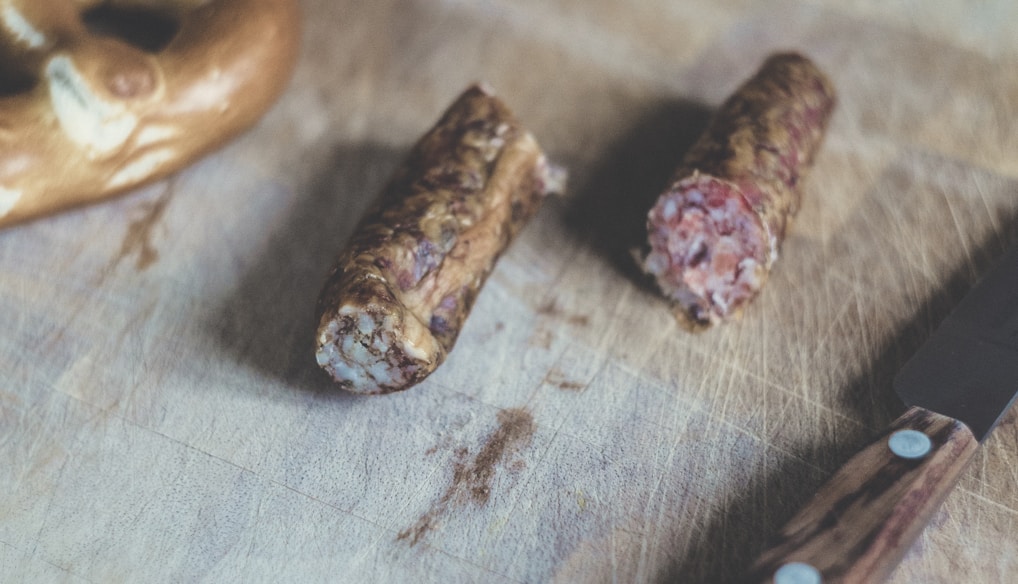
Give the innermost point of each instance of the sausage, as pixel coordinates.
(715, 232)
(394, 303)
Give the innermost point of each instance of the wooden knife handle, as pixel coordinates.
(864, 519)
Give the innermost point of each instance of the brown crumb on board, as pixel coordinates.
(559, 379)
(553, 310)
(472, 479)
(138, 238)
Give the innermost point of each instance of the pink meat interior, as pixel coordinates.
(708, 248)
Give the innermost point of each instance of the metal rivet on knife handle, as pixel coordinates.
(910, 444)
(797, 573)
(864, 518)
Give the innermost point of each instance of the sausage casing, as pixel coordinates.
(715, 232)
(402, 288)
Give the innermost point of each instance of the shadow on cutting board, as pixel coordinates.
(733, 538)
(268, 322)
(871, 397)
(610, 207)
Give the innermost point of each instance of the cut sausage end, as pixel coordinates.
(714, 235)
(368, 350)
(709, 250)
(404, 285)
(393, 329)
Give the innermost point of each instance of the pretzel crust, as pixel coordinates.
(101, 116)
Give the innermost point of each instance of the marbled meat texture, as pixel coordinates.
(715, 232)
(394, 304)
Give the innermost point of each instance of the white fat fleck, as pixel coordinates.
(153, 134)
(87, 119)
(492, 149)
(349, 357)
(750, 273)
(22, 30)
(670, 210)
(8, 199)
(328, 356)
(361, 354)
(415, 351)
(382, 373)
(694, 196)
(366, 324)
(696, 245)
(347, 373)
(656, 263)
(719, 301)
(346, 345)
(323, 356)
(330, 331)
(140, 169)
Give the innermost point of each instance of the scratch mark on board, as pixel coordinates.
(472, 479)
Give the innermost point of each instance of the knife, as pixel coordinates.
(957, 388)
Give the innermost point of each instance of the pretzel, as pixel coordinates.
(85, 115)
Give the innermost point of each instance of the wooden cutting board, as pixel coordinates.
(162, 419)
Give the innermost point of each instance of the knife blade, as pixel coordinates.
(957, 387)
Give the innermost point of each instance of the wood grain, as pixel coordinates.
(163, 420)
(862, 521)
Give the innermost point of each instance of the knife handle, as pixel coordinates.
(864, 519)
